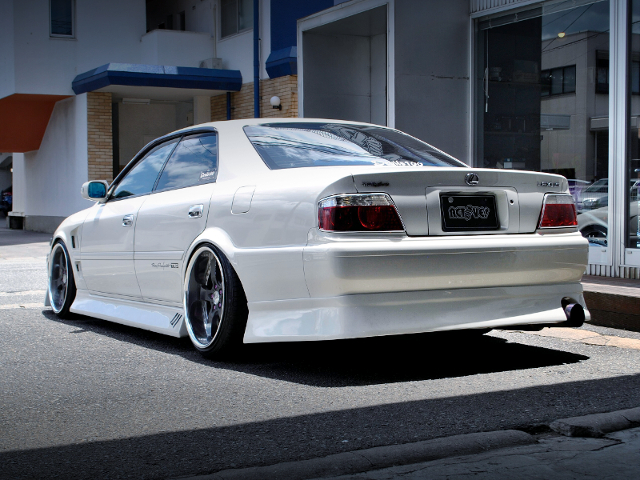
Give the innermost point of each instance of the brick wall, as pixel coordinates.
(242, 102)
(100, 141)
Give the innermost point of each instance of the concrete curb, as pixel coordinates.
(379, 457)
(598, 424)
(359, 461)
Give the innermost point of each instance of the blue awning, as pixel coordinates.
(282, 62)
(157, 76)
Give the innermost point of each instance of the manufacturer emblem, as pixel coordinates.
(472, 179)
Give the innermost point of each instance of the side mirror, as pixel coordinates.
(95, 190)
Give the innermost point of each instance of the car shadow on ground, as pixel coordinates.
(341, 363)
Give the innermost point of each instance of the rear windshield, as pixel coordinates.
(315, 144)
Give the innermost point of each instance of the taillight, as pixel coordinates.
(558, 211)
(372, 212)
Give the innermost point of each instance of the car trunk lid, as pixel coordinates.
(510, 200)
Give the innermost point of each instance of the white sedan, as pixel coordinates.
(305, 229)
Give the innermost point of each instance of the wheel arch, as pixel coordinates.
(218, 238)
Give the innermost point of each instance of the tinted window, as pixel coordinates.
(143, 175)
(293, 145)
(193, 162)
(61, 17)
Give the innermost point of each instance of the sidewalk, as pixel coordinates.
(615, 456)
(16, 244)
(604, 445)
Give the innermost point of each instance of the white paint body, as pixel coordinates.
(305, 284)
(60, 160)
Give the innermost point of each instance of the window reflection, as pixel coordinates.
(194, 161)
(633, 155)
(321, 144)
(544, 99)
(143, 175)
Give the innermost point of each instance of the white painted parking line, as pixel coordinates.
(23, 293)
(23, 305)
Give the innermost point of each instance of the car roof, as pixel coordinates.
(238, 124)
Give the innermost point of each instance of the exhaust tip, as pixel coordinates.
(575, 314)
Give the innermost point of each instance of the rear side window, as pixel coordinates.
(314, 144)
(194, 161)
(142, 177)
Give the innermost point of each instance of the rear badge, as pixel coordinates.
(375, 184)
(548, 184)
(472, 179)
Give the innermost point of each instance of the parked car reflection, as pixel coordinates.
(593, 224)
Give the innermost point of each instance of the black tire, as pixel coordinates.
(62, 285)
(215, 303)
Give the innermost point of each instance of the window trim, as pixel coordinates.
(73, 23)
(146, 149)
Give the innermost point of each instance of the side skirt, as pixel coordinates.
(148, 316)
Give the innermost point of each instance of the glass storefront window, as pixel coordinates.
(543, 99)
(633, 145)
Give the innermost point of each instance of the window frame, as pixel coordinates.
(237, 22)
(112, 191)
(549, 71)
(150, 146)
(73, 23)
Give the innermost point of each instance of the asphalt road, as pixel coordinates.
(84, 398)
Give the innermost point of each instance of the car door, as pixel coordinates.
(173, 216)
(108, 231)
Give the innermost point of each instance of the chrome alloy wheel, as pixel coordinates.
(204, 297)
(58, 278)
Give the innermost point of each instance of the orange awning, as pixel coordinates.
(24, 119)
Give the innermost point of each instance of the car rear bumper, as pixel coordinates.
(351, 266)
(368, 287)
(368, 315)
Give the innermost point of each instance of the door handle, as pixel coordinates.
(195, 211)
(127, 220)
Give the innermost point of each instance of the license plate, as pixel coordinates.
(468, 212)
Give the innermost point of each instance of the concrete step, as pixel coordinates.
(613, 302)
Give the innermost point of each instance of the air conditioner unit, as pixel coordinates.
(211, 63)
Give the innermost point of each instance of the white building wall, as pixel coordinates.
(19, 199)
(7, 72)
(236, 51)
(105, 32)
(432, 73)
(171, 47)
(59, 168)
